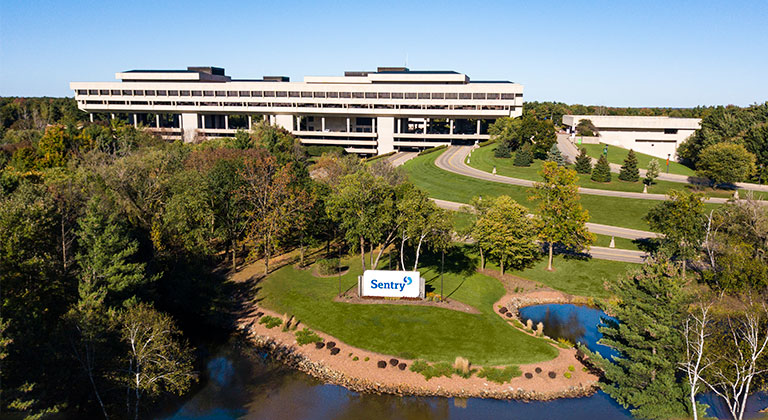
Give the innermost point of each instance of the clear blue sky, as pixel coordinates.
(633, 53)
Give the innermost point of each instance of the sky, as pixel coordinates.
(614, 53)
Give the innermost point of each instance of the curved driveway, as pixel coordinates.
(453, 160)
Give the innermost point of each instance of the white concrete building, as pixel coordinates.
(377, 112)
(655, 136)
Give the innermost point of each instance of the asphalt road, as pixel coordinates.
(453, 160)
(400, 158)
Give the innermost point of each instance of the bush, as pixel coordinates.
(319, 150)
(537, 370)
(528, 375)
(377, 157)
(571, 368)
(524, 156)
(402, 366)
(503, 310)
(552, 375)
(354, 359)
(335, 351)
(725, 163)
(462, 367)
(602, 171)
(567, 375)
(328, 266)
(432, 149)
(306, 336)
(486, 143)
(583, 162)
(554, 155)
(564, 343)
(319, 345)
(331, 344)
(270, 321)
(393, 362)
(432, 371)
(381, 364)
(501, 376)
(367, 358)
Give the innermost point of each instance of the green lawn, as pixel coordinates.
(434, 334)
(623, 212)
(617, 155)
(575, 276)
(484, 160)
(620, 243)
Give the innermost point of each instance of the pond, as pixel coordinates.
(240, 382)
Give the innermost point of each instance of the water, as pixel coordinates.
(242, 383)
(577, 324)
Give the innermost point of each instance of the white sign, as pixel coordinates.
(382, 283)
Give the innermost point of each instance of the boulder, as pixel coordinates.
(381, 364)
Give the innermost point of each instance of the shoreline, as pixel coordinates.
(366, 377)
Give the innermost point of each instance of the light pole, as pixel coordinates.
(668, 156)
(442, 269)
(338, 268)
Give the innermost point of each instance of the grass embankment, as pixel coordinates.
(623, 212)
(484, 160)
(430, 333)
(581, 277)
(617, 155)
(619, 243)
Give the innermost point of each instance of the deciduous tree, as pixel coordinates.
(509, 235)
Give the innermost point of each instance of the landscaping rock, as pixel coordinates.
(381, 364)
(401, 366)
(319, 345)
(528, 375)
(538, 370)
(331, 344)
(508, 314)
(393, 362)
(552, 375)
(335, 351)
(503, 310)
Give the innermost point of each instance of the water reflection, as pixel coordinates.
(244, 384)
(577, 324)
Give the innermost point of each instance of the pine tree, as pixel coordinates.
(629, 171)
(524, 156)
(503, 150)
(554, 155)
(648, 312)
(602, 171)
(583, 162)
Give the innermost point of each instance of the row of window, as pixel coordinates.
(296, 94)
(307, 105)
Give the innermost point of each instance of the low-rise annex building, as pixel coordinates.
(365, 112)
(655, 136)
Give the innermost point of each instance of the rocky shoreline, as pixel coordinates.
(288, 355)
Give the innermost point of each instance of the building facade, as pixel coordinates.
(369, 113)
(655, 136)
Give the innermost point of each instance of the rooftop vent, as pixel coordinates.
(391, 69)
(355, 73)
(277, 78)
(218, 71)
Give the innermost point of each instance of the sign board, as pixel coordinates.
(384, 283)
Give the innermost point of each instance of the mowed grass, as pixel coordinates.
(581, 277)
(484, 159)
(620, 243)
(429, 333)
(622, 212)
(617, 155)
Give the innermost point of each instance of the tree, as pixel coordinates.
(648, 312)
(506, 132)
(106, 255)
(629, 171)
(508, 234)
(602, 171)
(652, 172)
(738, 355)
(583, 162)
(682, 221)
(514, 133)
(363, 206)
(503, 150)
(53, 147)
(422, 222)
(476, 209)
(725, 163)
(586, 128)
(524, 156)
(694, 364)
(554, 155)
(561, 219)
(158, 360)
(273, 201)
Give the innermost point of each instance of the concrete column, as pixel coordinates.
(348, 125)
(90, 115)
(135, 120)
(385, 137)
(189, 125)
(478, 127)
(285, 121)
(250, 122)
(322, 124)
(112, 116)
(451, 123)
(202, 120)
(298, 123)
(226, 122)
(373, 125)
(426, 122)
(157, 120)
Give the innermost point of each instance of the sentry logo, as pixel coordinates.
(375, 284)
